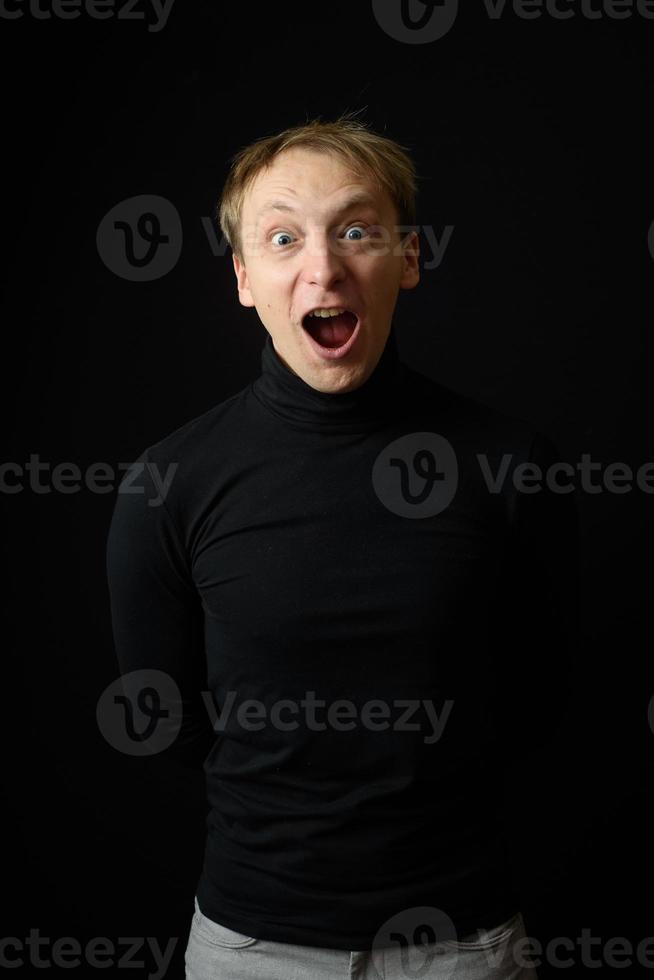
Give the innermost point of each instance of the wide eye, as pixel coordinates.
(356, 228)
(284, 234)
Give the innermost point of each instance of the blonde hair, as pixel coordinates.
(365, 152)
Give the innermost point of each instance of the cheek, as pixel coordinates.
(270, 286)
(382, 279)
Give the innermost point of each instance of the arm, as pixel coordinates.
(157, 615)
(540, 608)
(535, 664)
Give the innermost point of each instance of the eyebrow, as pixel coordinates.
(356, 199)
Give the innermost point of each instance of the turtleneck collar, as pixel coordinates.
(365, 408)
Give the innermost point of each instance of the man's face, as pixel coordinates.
(306, 245)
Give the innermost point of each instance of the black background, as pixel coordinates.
(532, 140)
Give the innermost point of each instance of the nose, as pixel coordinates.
(323, 265)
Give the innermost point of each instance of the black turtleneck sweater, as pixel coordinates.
(280, 567)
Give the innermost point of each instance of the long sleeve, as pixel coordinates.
(538, 609)
(157, 618)
(274, 550)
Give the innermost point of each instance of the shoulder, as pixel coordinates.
(471, 419)
(501, 455)
(191, 440)
(172, 474)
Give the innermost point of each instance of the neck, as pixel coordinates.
(366, 407)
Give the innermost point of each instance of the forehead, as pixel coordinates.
(302, 180)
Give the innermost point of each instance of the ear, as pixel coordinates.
(410, 255)
(244, 294)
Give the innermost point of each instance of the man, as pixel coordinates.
(330, 564)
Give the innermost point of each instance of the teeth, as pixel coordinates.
(324, 312)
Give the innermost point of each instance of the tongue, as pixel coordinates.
(332, 331)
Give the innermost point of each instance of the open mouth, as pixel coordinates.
(331, 332)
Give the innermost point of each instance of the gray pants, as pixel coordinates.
(215, 952)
